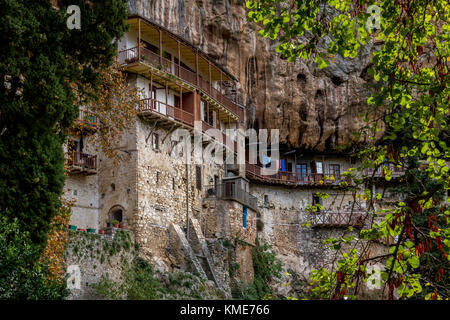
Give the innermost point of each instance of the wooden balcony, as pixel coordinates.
(229, 191)
(254, 172)
(151, 109)
(379, 173)
(168, 116)
(82, 164)
(337, 219)
(87, 119)
(135, 59)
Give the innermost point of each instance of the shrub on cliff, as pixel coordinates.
(21, 276)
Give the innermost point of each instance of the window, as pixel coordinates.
(198, 176)
(266, 199)
(173, 183)
(203, 110)
(244, 216)
(157, 176)
(155, 141)
(289, 167)
(302, 169)
(334, 170)
(319, 167)
(317, 200)
(176, 101)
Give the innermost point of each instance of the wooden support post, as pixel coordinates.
(207, 113)
(196, 66)
(181, 98)
(139, 39)
(210, 82)
(167, 94)
(151, 86)
(221, 80)
(160, 46)
(179, 57)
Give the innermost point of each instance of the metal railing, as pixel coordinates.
(337, 219)
(229, 191)
(129, 56)
(379, 173)
(288, 177)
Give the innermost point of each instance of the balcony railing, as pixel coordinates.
(129, 56)
(337, 219)
(294, 178)
(82, 163)
(164, 109)
(87, 119)
(229, 191)
(379, 173)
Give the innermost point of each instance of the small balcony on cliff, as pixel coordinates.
(339, 219)
(295, 179)
(232, 189)
(86, 121)
(82, 164)
(154, 52)
(381, 173)
(172, 114)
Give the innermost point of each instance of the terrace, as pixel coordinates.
(231, 191)
(82, 163)
(163, 57)
(337, 219)
(254, 172)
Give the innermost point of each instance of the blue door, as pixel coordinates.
(244, 217)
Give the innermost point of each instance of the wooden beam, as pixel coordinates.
(196, 66)
(221, 80)
(169, 132)
(151, 131)
(181, 97)
(210, 82)
(167, 94)
(160, 46)
(139, 39)
(179, 57)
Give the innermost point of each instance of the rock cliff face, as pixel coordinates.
(314, 110)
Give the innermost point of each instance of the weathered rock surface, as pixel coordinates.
(315, 110)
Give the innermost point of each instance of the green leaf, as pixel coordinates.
(414, 262)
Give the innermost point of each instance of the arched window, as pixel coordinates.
(117, 213)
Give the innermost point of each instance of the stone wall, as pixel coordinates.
(91, 256)
(161, 188)
(298, 247)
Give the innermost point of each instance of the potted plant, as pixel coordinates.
(101, 231)
(115, 223)
(82, 230)
(122, 225)
(71, 227)
(90, 230)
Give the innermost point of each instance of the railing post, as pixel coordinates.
(196, 67)
(139, 39)
(160, 46)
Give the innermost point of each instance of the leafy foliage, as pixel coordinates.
(21, 275)
(53, 254)
(411, 106)
(41, 62)
(267, 268)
